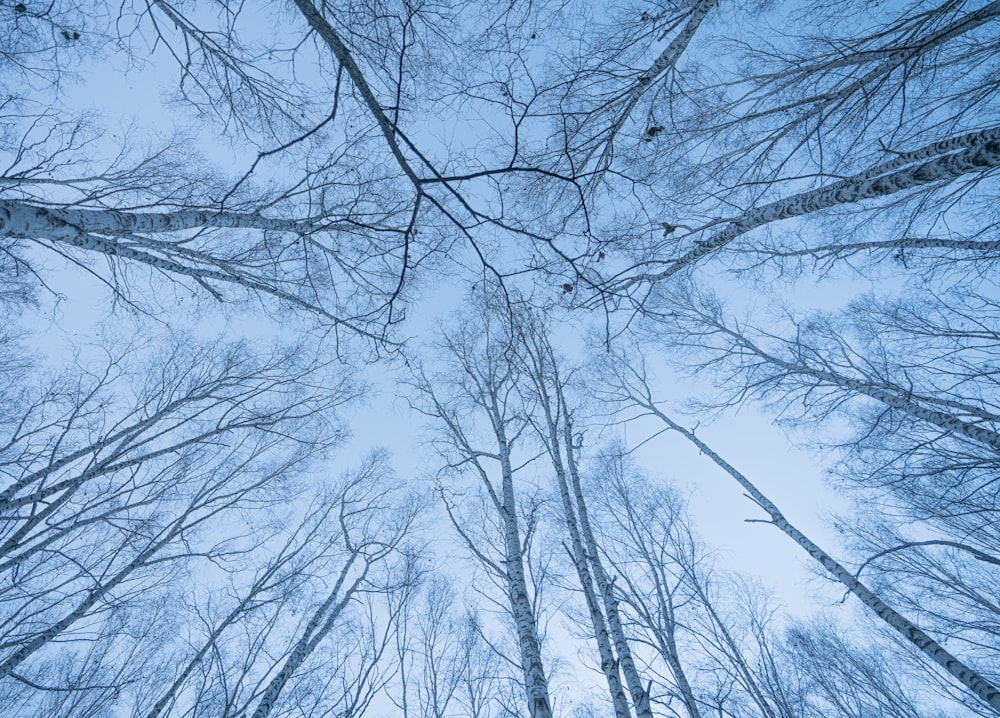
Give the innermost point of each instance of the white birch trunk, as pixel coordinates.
(666, 60)
(120, 234)
(673, 51)
(825, 251)
(640, 696)
(319, 625)
(89, 601)
(487, 392)
(543, 371)
(108, 466)
(890, 396)
(535, 682)
(609, 666)
(949, 160)
(971, 679)
(34, 520)
(74, 225)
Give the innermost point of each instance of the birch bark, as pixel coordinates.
(666, 60)
(640, 696)
(542, 369)
(484, 375)
(936, 164)
(535, 681)
(319, 625)
(888, 394)
(985, 691)
(91, 599)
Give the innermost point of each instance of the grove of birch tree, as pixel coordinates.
(563, 239)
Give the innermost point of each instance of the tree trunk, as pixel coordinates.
(93, 596)
(535, 682)
(319, 625)
(887, 394)
(971, 679)
(977, 152)
(609, 666)
(640, 696)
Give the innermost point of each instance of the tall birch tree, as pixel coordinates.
(482, 431)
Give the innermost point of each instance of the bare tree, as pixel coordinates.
(910, 375)
(635, 389)
(447, 666)
(847, 679)
(483, 425)
(862, 113)
(341, 157)
(651, 556)
(123, 484)
(871, 129)
(272, 587)
(369, 539)
(547, 391)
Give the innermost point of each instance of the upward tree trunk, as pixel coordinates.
(640, 696)
(123, 235)
(487, 381)
(535, 682)
(75, 225)
(665, 61)
(320, 624)
(581, 561)
(949, 160)
(543, 371)
(891, 396)
(971, 679)
(90, 600)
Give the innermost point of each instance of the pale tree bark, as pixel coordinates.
(270, 590)
(661, 620)
(536, 682)
(562, 444)
(121, 235)
(76, 225)
(222, 490)
(343, 54)
(219, 493)
(196, 386)
(639, 693)
(319, 625)
(483, 384)
(664, 63)
(981, 688)
(934, 165)
(372, 539)
(652, 556)
(543, 374)
(66, 443)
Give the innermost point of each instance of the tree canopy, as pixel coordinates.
(572, 240)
